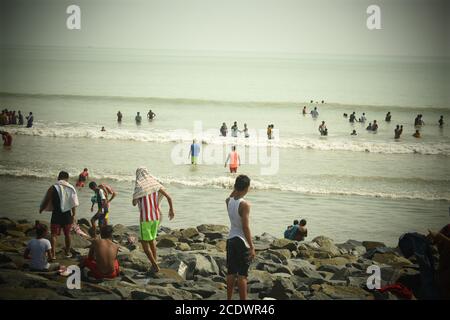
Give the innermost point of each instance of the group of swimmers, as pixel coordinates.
(373, 126)
(234, 130)
(11, 118)
(138, 118)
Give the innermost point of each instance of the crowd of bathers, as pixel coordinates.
(9, 117)
(373, 126)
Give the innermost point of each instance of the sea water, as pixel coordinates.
(368, 186)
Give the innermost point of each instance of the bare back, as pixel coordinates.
(105, 253)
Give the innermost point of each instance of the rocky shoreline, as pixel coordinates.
(193, 267)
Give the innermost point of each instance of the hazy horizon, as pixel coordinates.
(414, 28)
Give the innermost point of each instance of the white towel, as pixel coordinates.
(67, 195)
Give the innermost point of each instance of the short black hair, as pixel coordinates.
(41, 230)
(242, 182)
(303, 222)
(106, 232)
(63, 175)
(233, 148)
(92, 185)
(295, 222)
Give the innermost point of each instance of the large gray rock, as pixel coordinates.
(272, 267)
(136, 260)
(353, 247)
(326, 245)
(213, 228)
(303, 268)
(284, 244)
(369, 245)
(281, 290)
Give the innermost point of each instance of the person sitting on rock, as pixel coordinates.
(302, 232)
(291, 231)
(102, 258)
(39, 251)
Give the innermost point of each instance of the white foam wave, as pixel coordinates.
(185, 136)
(227, 182)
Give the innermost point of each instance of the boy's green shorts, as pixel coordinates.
(149, 230)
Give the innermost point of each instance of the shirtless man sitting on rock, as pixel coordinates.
(102, 258)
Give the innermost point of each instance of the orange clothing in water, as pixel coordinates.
(233, 159)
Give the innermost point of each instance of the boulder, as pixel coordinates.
(330, 268)
(15, 234)
(353, 247)
(183, 246)
(136, 260)
(284, 244)
(272, 267)
(213, 228)
(337, 261)
(221, 245)
(23, 227)
(281, 290)
(344, 273)
(167, 242)
(369, 245)
(205, 265)
(190, 233)
(391, 259)
(326, 245)
(303, 268)
(345, 293)
(210, 236)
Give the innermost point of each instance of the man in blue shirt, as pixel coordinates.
(194, 152)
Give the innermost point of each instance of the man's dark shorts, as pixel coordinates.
(237, 257)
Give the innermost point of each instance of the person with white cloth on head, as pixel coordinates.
(61, 199)
(147, 194)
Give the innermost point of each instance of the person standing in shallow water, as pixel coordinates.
(148, 193)
(239, 247)
(30, 120)
(441, 121)
(234, 159)
(119, 116)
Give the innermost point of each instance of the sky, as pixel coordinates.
(409, 27)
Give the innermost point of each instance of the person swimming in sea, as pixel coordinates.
(246, 131)
(374, 125)
(353, 133)
(441, 121)
(363, 118)
(352, 117)
(388, 117)
(119, 116)
(397, 132)
(151, 115)
(103, 129)
(323, 129)
(223, 130)
(304, 110)
(369, 127)
(416, 134)
(314, 113)
(234, 130)
(82, 178)
(138, 118)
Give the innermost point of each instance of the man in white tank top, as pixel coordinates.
(240, 249)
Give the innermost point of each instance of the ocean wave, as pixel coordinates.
(227, 182)
(220, 102)
(208, 138)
